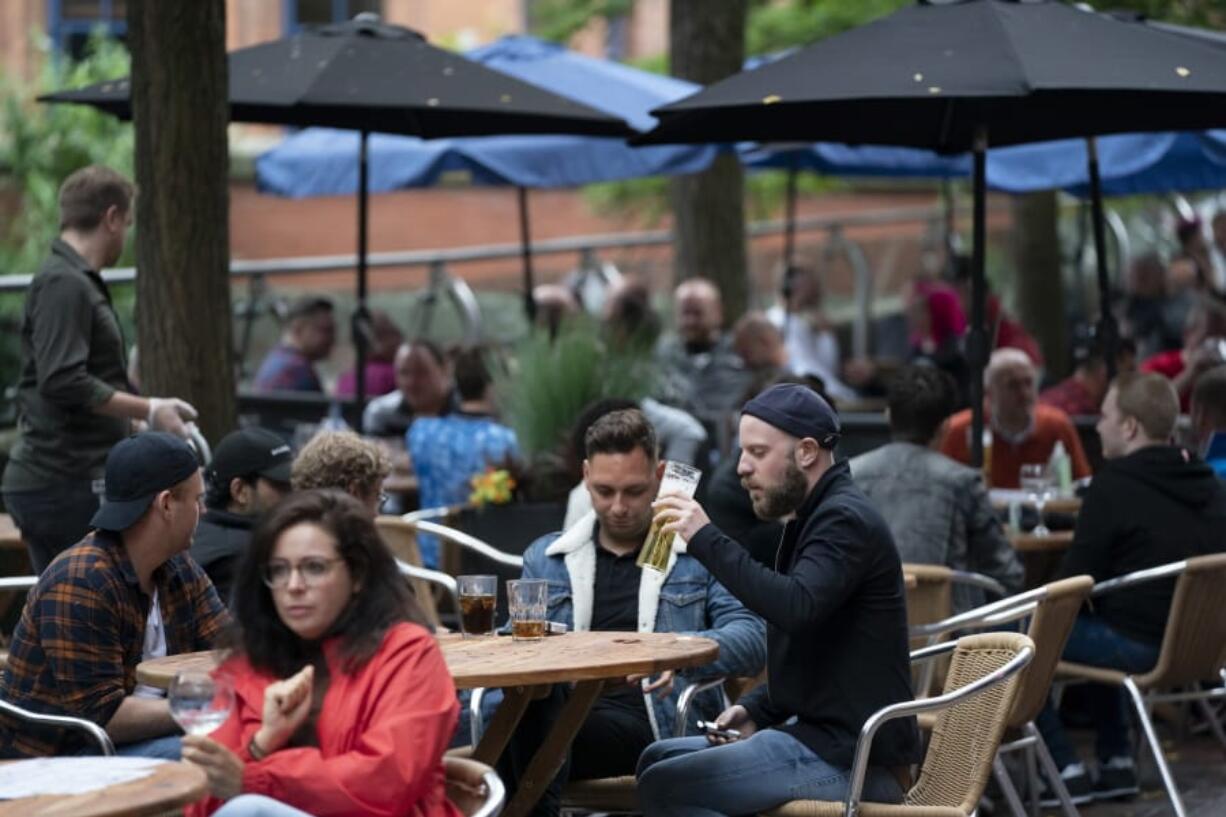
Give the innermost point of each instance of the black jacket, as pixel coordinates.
(220, 541)
(731, 510)
(1157, 505)
(836, 619)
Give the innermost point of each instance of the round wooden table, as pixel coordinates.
(167, 789)
(525, 670)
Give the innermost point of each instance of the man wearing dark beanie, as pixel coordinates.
(837, 647)
(125, 593)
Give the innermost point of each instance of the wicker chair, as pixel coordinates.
(401, 538)
(1052, 610)
(980, 689)
(1193, 650)
(474, 788)
(930, 602)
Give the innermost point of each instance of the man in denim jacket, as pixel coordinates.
(594, 584)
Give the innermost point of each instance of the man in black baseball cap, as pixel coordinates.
(250, 473)
(125, 593)
(836, 619)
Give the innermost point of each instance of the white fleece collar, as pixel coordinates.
(578, 550)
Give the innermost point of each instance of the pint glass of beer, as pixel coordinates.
(527, 600)
(478, 597)
(678, 478)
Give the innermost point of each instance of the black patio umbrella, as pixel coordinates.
(956, 76)
(366, 75)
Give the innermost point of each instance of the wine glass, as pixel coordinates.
(1038, 483)
(200, 703)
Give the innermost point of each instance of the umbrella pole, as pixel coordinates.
(789, 227)
(360, 321)
(1108, 332)
(525, 250)
(977, 348)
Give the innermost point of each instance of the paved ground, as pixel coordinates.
(1199, 766)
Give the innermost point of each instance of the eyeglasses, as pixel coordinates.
(313, 571)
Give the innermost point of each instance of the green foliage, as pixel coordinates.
(41, 144)
(774, 26)
(550, 382)
(559, 20)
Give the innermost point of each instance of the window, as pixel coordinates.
(307, 13)
(71, 22)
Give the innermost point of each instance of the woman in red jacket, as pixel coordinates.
(343, 704)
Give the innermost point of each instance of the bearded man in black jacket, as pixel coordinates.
(836, 620)
(1151, 504)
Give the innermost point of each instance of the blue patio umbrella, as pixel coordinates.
(318, 161)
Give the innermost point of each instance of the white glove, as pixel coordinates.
(169, 413)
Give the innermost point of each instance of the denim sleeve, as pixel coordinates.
(741, 636)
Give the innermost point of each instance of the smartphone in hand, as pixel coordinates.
(710, 728)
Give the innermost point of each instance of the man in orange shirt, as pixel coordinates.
(1022, 431)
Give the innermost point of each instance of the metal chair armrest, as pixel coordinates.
(687, 700)
(18, 582)
(977, 616)
(95, 731)
(447, 582)
(495, 795)
(1151, 574)
(859, 764)
(475, 726)
(440, 512)
(972, 579)
(462, 539)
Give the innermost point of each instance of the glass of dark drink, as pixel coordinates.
(478, 598)
(527, 600)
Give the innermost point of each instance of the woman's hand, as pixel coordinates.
(286, 706)
(223, 768)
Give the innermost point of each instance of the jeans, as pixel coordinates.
(1095, 643)
(257, 805)
(169, 747)
(688, 777)
(52, 519)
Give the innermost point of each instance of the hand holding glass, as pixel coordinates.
(478, 598)
(678, 478)
(1038, 482)
(200, 703)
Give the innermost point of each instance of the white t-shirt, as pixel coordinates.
(154, 647)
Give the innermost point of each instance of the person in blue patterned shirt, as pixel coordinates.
(448, 451)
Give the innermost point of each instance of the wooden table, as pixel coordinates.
(1041, 555)
(1070, 505)
(170, 787)
(525, 670)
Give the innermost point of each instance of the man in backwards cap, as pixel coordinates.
(250, 473)
(836, 630)
(125, 593)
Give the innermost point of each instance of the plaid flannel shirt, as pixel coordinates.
(82, 633)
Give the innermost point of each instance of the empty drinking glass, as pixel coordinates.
(1038, 482)
(200, 703)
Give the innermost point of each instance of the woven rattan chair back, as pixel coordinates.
(1049, 630)
(966, 735)
(1194, 643)
(929, 600)
(401, 539)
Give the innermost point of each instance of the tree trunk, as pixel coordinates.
(180, 111)
(707, 43)
(1039, 287)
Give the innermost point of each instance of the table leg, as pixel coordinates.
(549, 757)
(494, 740)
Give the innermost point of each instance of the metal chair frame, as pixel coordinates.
(494, 791)
(1143, 702)
(95, 732)
(463, 539)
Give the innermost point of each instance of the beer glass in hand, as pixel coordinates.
(678, 478)
(478, 597)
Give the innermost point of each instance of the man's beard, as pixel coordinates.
(786, 497)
